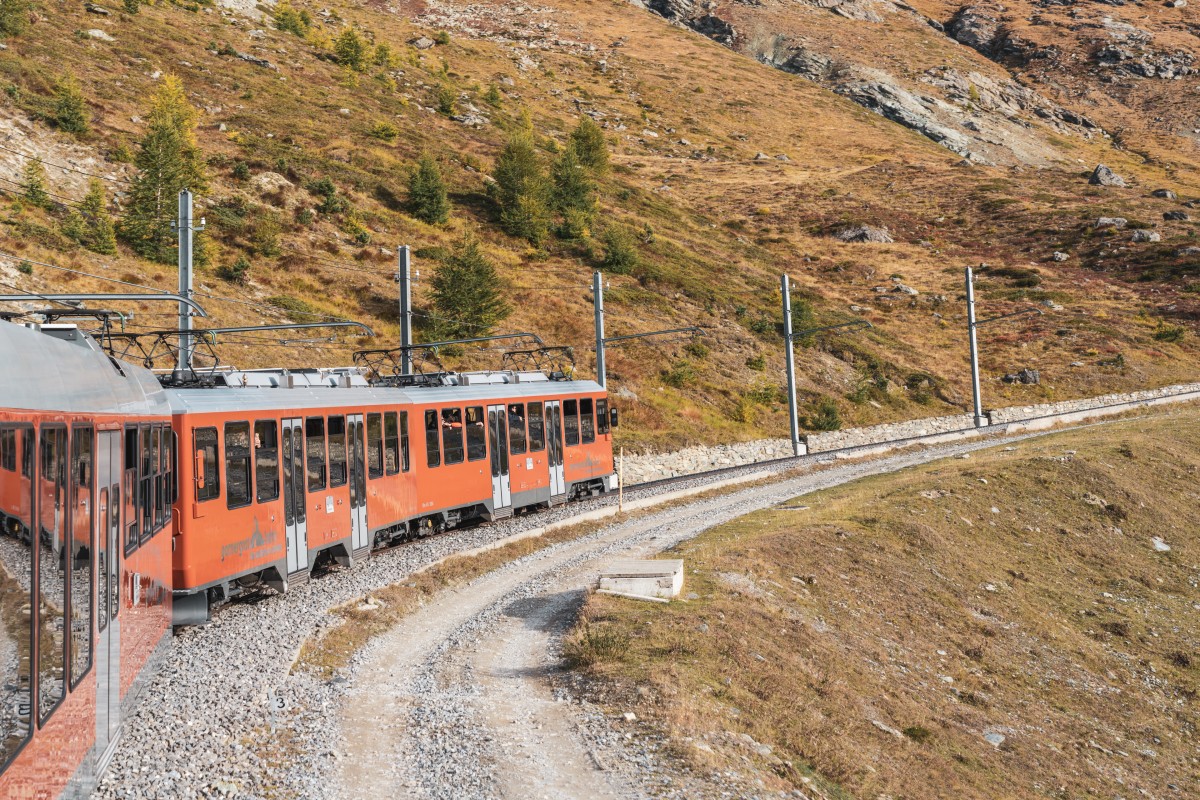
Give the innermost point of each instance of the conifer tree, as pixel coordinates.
(33, 187)
(427, 193)
(520, 190)
(168, 161)
(70, 113)
(351, 50)
(90, 224)
(588, 142)
(467, 297)
(574, 195)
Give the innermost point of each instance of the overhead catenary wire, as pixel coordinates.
(28, 157)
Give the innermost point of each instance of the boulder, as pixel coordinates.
(1184, 252)
(1176, 216)
(1164, 193)
(864, 233)
(1103, 176)
(1111, 222)
(1060, 256)
(96, 33)
(976, 27)
(1026, 376)
(1144, 235)
(268, 182)
(422, 43)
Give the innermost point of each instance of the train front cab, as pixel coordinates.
(81, 612)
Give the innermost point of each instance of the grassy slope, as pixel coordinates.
(873, 639)
(723, 225)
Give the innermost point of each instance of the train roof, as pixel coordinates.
(230, 399)
(61, 368)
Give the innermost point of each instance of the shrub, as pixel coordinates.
(696, 349)
(70, 113)
(591, 646)
(237, 272)
(131, 6)
(25, 268)
(590, 148)
(442, 37)
(757, 363)
(1169, 333)
(385, 131)
(241, 170)
(264, 237)
(620, 253)
(331, 201)
(492, 96)
(427, 197)
(824, 416)
(287, 18)
(679, 375)
(293, 305)
(14, 17)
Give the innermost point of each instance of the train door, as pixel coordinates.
(498, 444)
(359, 537)
(554, 450)
(108, 601)
(294, 500)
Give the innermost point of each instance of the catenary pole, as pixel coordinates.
(793, 419)
(598, 302)
(971, 327)
(406, 342)
(185, 230)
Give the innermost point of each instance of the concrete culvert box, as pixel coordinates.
(658, 579)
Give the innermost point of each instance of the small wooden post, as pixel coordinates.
(621, 482)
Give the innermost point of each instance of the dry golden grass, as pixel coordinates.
(874, 639)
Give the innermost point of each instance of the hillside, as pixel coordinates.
(858, 642)
(727, 171)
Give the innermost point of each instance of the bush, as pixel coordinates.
(757, 363)
(385, 131)
(1169, 333)
(294, 306)
(590, 646)
(696, 349)
(25, 268)
(824, 416)
(237, 272)
(287, 18)
(446, 101)
(264, 237)
(331, 201)
(14, 17)
(241, 170)
(679, 375)
(492, 96)
(442, 37)
(620, 253)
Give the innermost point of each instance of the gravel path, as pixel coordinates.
(199, 728)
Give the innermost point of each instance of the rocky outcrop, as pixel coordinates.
(1103, 176)
(864, 233)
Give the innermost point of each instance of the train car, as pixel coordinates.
(284, 468)
(85, 536)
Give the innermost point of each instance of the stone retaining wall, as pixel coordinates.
(653, 466)
(1014, 413)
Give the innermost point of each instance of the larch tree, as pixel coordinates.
(168, 161)
(588, 142)
(468, 300)
(427, 193)
(520, 190)
(573, 195)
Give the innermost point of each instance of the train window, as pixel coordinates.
(266, 460)
(8, 449)
(602, 417)
(132, 517)
(391, 443)
(516, 428)
(433, 453)
(15, 580)
(476, 434)
(207, 471)
(27, 445)
(102, 553)
(452, 435)
(157, 445)
(81, 553)
(375, 445)
(170, 467)
(149, 461)
(337, 451)
(537, 428)
(570, 410)
(52, 583)
(587, 423)
(404, 441)
(237, 464)
(314, 434)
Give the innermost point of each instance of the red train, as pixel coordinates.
(125, 507)
(85, 559)
(282, 469)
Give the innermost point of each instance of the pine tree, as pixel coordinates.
(520, 190)
(588, 142)
(620, 254)
(351, 50)
(427, 193)
(168, 161)
(99, 235)
(33, 187)
(574, 195)
(70, 113)
(467, 296)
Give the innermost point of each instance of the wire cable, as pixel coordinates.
(64, 167)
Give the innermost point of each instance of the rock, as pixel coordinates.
(627, 394)
(1166, 194)
(900, 287)
(994, 739)
(864, 233)
(422, 43)
(269, 182)
(976, 27)
(256, 61)
(1176, 3)
(1111, 222)
(345, 112)
(472, 120)
(1076, 363)
(1159, 545)
(96, 33)
(1103, 176)
(1184, 252)
(1027, 376)
(1060, 256)
(1144, 235)
(761, 157)
(1176, 216)
(92, 8)
(782, 157)
(630, 716)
